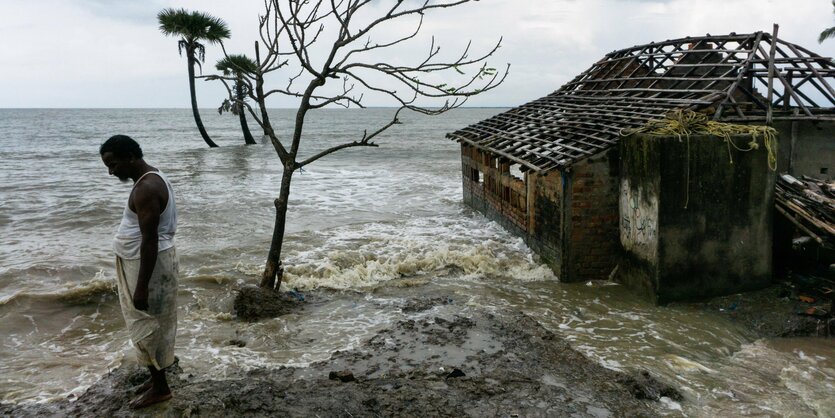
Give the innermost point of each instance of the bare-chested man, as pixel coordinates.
(146, 264)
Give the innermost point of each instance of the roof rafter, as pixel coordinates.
(726, 76)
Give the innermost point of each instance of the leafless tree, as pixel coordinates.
(327, 53)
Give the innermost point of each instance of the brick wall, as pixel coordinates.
(489, 187)
(592, 245)
(545, 198)
(570, 219)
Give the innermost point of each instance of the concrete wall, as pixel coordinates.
(807, 148)
(693, 225)
(639, 202)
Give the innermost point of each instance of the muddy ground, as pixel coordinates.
(785, 309)
(445, 362)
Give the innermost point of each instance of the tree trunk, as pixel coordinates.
(273, 268)
(245, 128)
(242, 114)
(194, 110)
(259, 92)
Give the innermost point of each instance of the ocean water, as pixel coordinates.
(367, 229)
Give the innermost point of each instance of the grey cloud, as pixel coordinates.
(137, 12)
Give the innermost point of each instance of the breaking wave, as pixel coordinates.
(405, 253)
(91, 291)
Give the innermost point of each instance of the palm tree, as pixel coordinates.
(192, 28)
(828, 33)
(238, 65)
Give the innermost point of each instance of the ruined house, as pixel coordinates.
(551, 170)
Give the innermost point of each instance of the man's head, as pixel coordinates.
(122, 156)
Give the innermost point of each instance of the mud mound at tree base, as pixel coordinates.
(255, 303)
(461, 363)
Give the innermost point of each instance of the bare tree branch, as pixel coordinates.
(335, 8)
(344, 99)
(295, 43)
(368, 47)
(332, 150)
(362, 142)
(293, 32)
(393, 14)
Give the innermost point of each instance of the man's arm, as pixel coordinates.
(146, 200)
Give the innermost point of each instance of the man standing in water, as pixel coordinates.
(146, 264)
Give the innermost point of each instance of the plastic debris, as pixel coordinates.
(296, 295)
(806, 299)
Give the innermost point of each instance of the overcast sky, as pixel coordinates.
(109, 53)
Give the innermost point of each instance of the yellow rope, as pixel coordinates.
(687, 122)
(683, 123)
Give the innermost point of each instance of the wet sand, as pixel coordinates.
(454, 361)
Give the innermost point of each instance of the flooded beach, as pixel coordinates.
(370, 232)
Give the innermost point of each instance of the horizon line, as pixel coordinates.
(213, 109)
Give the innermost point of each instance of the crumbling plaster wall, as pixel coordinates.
(713, 218)
(806, 148)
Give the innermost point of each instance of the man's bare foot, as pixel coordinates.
(144, 387)
(151, 397)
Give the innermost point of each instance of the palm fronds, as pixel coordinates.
(828, 33)
(192, 26)
(235, 64)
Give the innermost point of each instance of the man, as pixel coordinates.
(146, 264)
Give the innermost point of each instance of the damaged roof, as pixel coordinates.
(732, 77)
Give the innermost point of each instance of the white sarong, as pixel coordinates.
(152, 332)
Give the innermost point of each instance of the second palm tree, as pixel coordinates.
(237, 66)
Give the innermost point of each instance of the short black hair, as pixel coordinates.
(122, 146)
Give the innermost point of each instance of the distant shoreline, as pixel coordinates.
(215, 110)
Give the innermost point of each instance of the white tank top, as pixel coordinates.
(129, 238)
